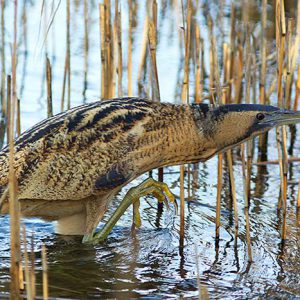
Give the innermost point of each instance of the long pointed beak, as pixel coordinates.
(287, 117)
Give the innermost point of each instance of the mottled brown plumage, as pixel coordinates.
(70, 166)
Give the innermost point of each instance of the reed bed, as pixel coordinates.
(235, 78)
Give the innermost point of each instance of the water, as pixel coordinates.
(150, 264)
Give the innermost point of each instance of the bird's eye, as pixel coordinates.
(260, 116)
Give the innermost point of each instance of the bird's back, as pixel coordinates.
(61, 157)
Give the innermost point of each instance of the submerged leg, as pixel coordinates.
(159, 189)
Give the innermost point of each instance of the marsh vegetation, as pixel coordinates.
(238, 234)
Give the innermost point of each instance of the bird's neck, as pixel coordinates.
(173, 139)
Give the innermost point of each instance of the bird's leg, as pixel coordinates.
(159, 189)
(95, 209)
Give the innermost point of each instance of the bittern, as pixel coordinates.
(70, 166)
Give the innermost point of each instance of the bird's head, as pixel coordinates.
(230, 125)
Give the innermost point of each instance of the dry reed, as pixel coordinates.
(49, 88)
(29, 292)
(297, 88)
(246, 206)
(298, 198)
(185, 99)
(152, 39)
(142, 65)
(32, 263)
(281, 146)
(86, 47)
(67, 69)
(129, 47)
(102, 50)
(14, 209)
(45, 273)
(18, 121)
(199, 73)
(120, 56)
(3, 99)
(226, 99)
(107, 50)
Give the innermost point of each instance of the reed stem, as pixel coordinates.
(14, 208)
(49, 88)
(3, 98)
(45, 273)
(129, 48)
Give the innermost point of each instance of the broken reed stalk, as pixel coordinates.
(129, 49)
(3, 99)
(276, 161)
(49, 88)
(14, 208)
(45, 273)
(86, 46)
(29, 292)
